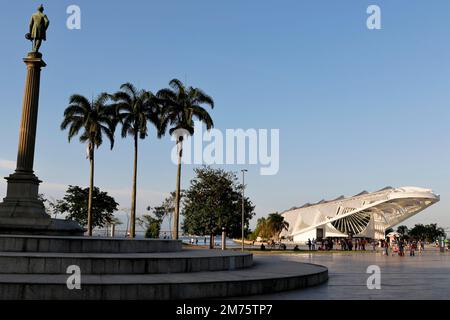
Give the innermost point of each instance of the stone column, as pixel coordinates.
(21, 212)
(21, 205)
(27, 134)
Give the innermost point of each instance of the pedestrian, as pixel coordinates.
(344, 245)
(313, 246)
(419, 246)
(412, 251)
(396, 249)
(309, 243)
(401, 248)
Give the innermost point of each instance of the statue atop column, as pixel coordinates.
(38, 28)
(22, 211)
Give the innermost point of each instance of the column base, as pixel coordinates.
(22, 201)
(55, 227)
(21, 212)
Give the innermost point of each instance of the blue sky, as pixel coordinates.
(357, 109)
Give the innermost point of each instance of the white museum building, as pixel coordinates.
(365, 215)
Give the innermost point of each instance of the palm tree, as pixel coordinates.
(262, 229)
(181, 106)
(134, 109)
(277, 224)
(94, 119)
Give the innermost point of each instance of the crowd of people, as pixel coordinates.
(402, 247)
(399, 246)
(342, 244)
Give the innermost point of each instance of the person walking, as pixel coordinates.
(309, 243)
(350, 245)
(412, 252)
(395, 250)
(401, 248)
(419, 245)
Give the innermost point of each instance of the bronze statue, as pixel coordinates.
(38, 28)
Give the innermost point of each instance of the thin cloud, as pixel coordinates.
(7, 164)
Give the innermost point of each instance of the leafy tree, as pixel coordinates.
(116, 221)
(213, 202)
(262, 229)
(152, 226)
(167, 208)
(49, 205)
(429, 232)
(134, 110)
(181, 106)
(387, 231)
(75, 206)
(403, 230)
(419, 231)
(95, 120)
(276, 224)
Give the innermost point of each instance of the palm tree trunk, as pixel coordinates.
(133, 196)
(212, 239)
(177, 194)
(170, 225)
(91, 190)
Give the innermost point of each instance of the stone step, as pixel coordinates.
(19, 243)
(266, 276)
(123, 263)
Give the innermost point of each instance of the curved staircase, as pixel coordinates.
(35, 267)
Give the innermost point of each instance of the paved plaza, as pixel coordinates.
(405, 278)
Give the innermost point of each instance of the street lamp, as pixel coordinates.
(243, 206)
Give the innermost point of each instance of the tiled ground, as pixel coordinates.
(409, 278)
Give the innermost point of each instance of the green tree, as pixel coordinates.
(387, 231)
(430, 232)
(434, 232)
(276, 224)
(403, 230)
(152, 226)
(213, 202)
(181, 106)
(166, 209)
(262, 229)
(75, 205)
(134, 110)
(95, 119)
